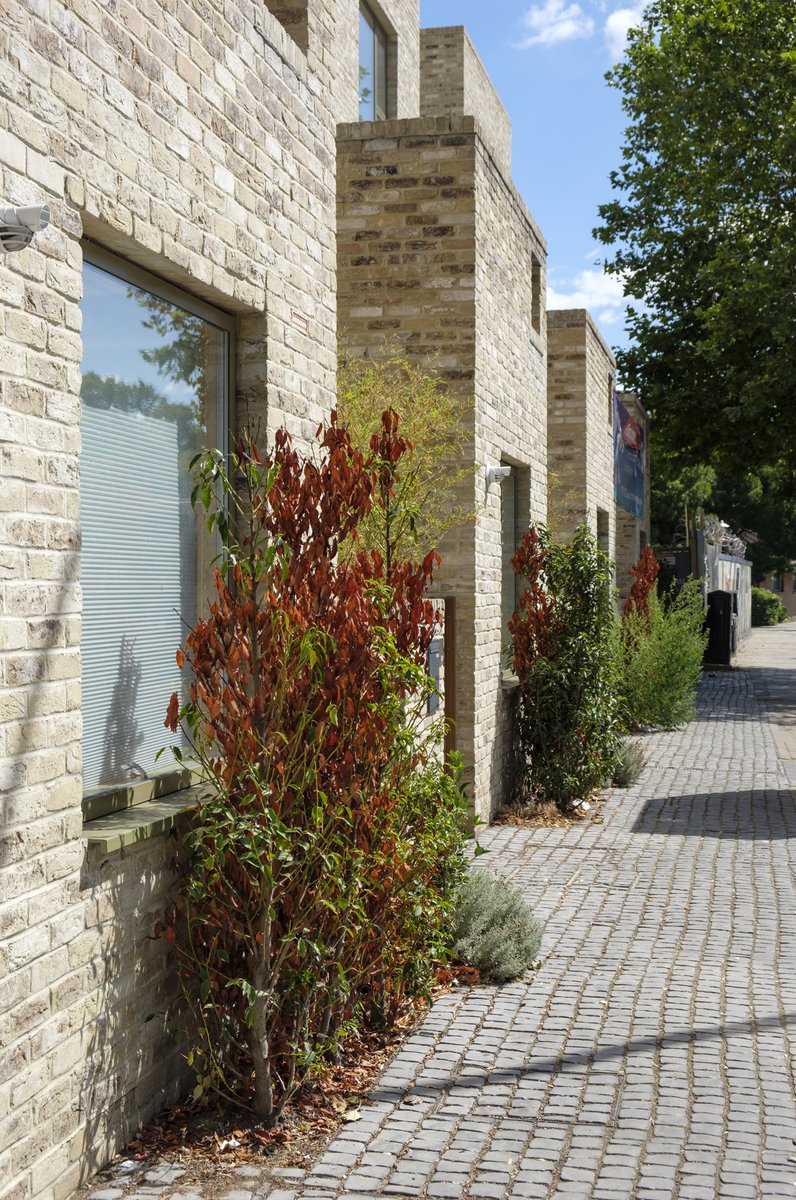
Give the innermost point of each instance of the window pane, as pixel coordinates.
(367, 68)
(152, 395)
(381, 73)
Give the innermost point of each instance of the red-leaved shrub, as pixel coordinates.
(320, 875)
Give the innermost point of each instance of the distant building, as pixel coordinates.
(632, 485)
(581, 375)
(783, 583)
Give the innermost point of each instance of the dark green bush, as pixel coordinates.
(662, 652)
(564, 654)
(767, 608)
(494, 928)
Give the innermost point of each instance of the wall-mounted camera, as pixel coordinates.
(18, 225)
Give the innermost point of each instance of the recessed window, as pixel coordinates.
(510, 540)
(155, 391)
(372, 67)
(536, 294)
(611, 389)
(603, 531)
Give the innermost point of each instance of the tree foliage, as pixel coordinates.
(564, 655)
(662, 649)
(702, 231)
(434, 482)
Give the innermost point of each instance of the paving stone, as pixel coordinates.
(646, 1054)
(164, 1174)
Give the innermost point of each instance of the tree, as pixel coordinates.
(703, 233)
(432, 477)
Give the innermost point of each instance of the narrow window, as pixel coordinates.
(434, 667)
(603, 539)
(372, 67)
(155, 390)
(611, 383)
(536, 294)
(510, 532)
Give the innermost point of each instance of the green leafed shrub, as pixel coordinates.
(629, 765)
(494, 930)
(767, 608)
(662, 652)
(564, 654)
(323, 868)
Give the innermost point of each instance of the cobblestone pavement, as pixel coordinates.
(650, 1058)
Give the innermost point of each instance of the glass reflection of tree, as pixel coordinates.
(182, 354)
(188, 353)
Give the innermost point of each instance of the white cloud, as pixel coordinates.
(617, 25)
(600, 293)
(555, 21)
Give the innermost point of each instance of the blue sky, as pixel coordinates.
(548, 61)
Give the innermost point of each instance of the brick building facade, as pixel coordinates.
(581, 376)
(438, 255)
(206, 172)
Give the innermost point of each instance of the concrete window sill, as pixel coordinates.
(140, 821)
(509, 681)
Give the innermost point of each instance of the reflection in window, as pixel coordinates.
(154, 392)
(372, 67)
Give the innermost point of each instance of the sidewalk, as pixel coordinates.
(649, 1058)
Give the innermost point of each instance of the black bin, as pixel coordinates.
(720, 623)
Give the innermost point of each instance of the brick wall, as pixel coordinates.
(435, 254)
(453, 81)
(510, 420)
(580, 371)
(198, 143)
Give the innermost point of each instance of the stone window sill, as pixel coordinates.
(140, 821)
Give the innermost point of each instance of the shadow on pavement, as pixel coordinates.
(768, 814)
(583, 1059)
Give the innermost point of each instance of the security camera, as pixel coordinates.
(18, 225)
(494, 474)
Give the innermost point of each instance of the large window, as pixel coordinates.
(155, 390)
(372, 67)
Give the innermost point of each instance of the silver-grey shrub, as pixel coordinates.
(629, 766)
(494, 928)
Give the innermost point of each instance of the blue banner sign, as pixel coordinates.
(628, 460)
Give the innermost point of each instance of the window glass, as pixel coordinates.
(154, 392)
(372, 67)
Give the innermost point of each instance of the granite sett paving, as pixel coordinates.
(651, 1056)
